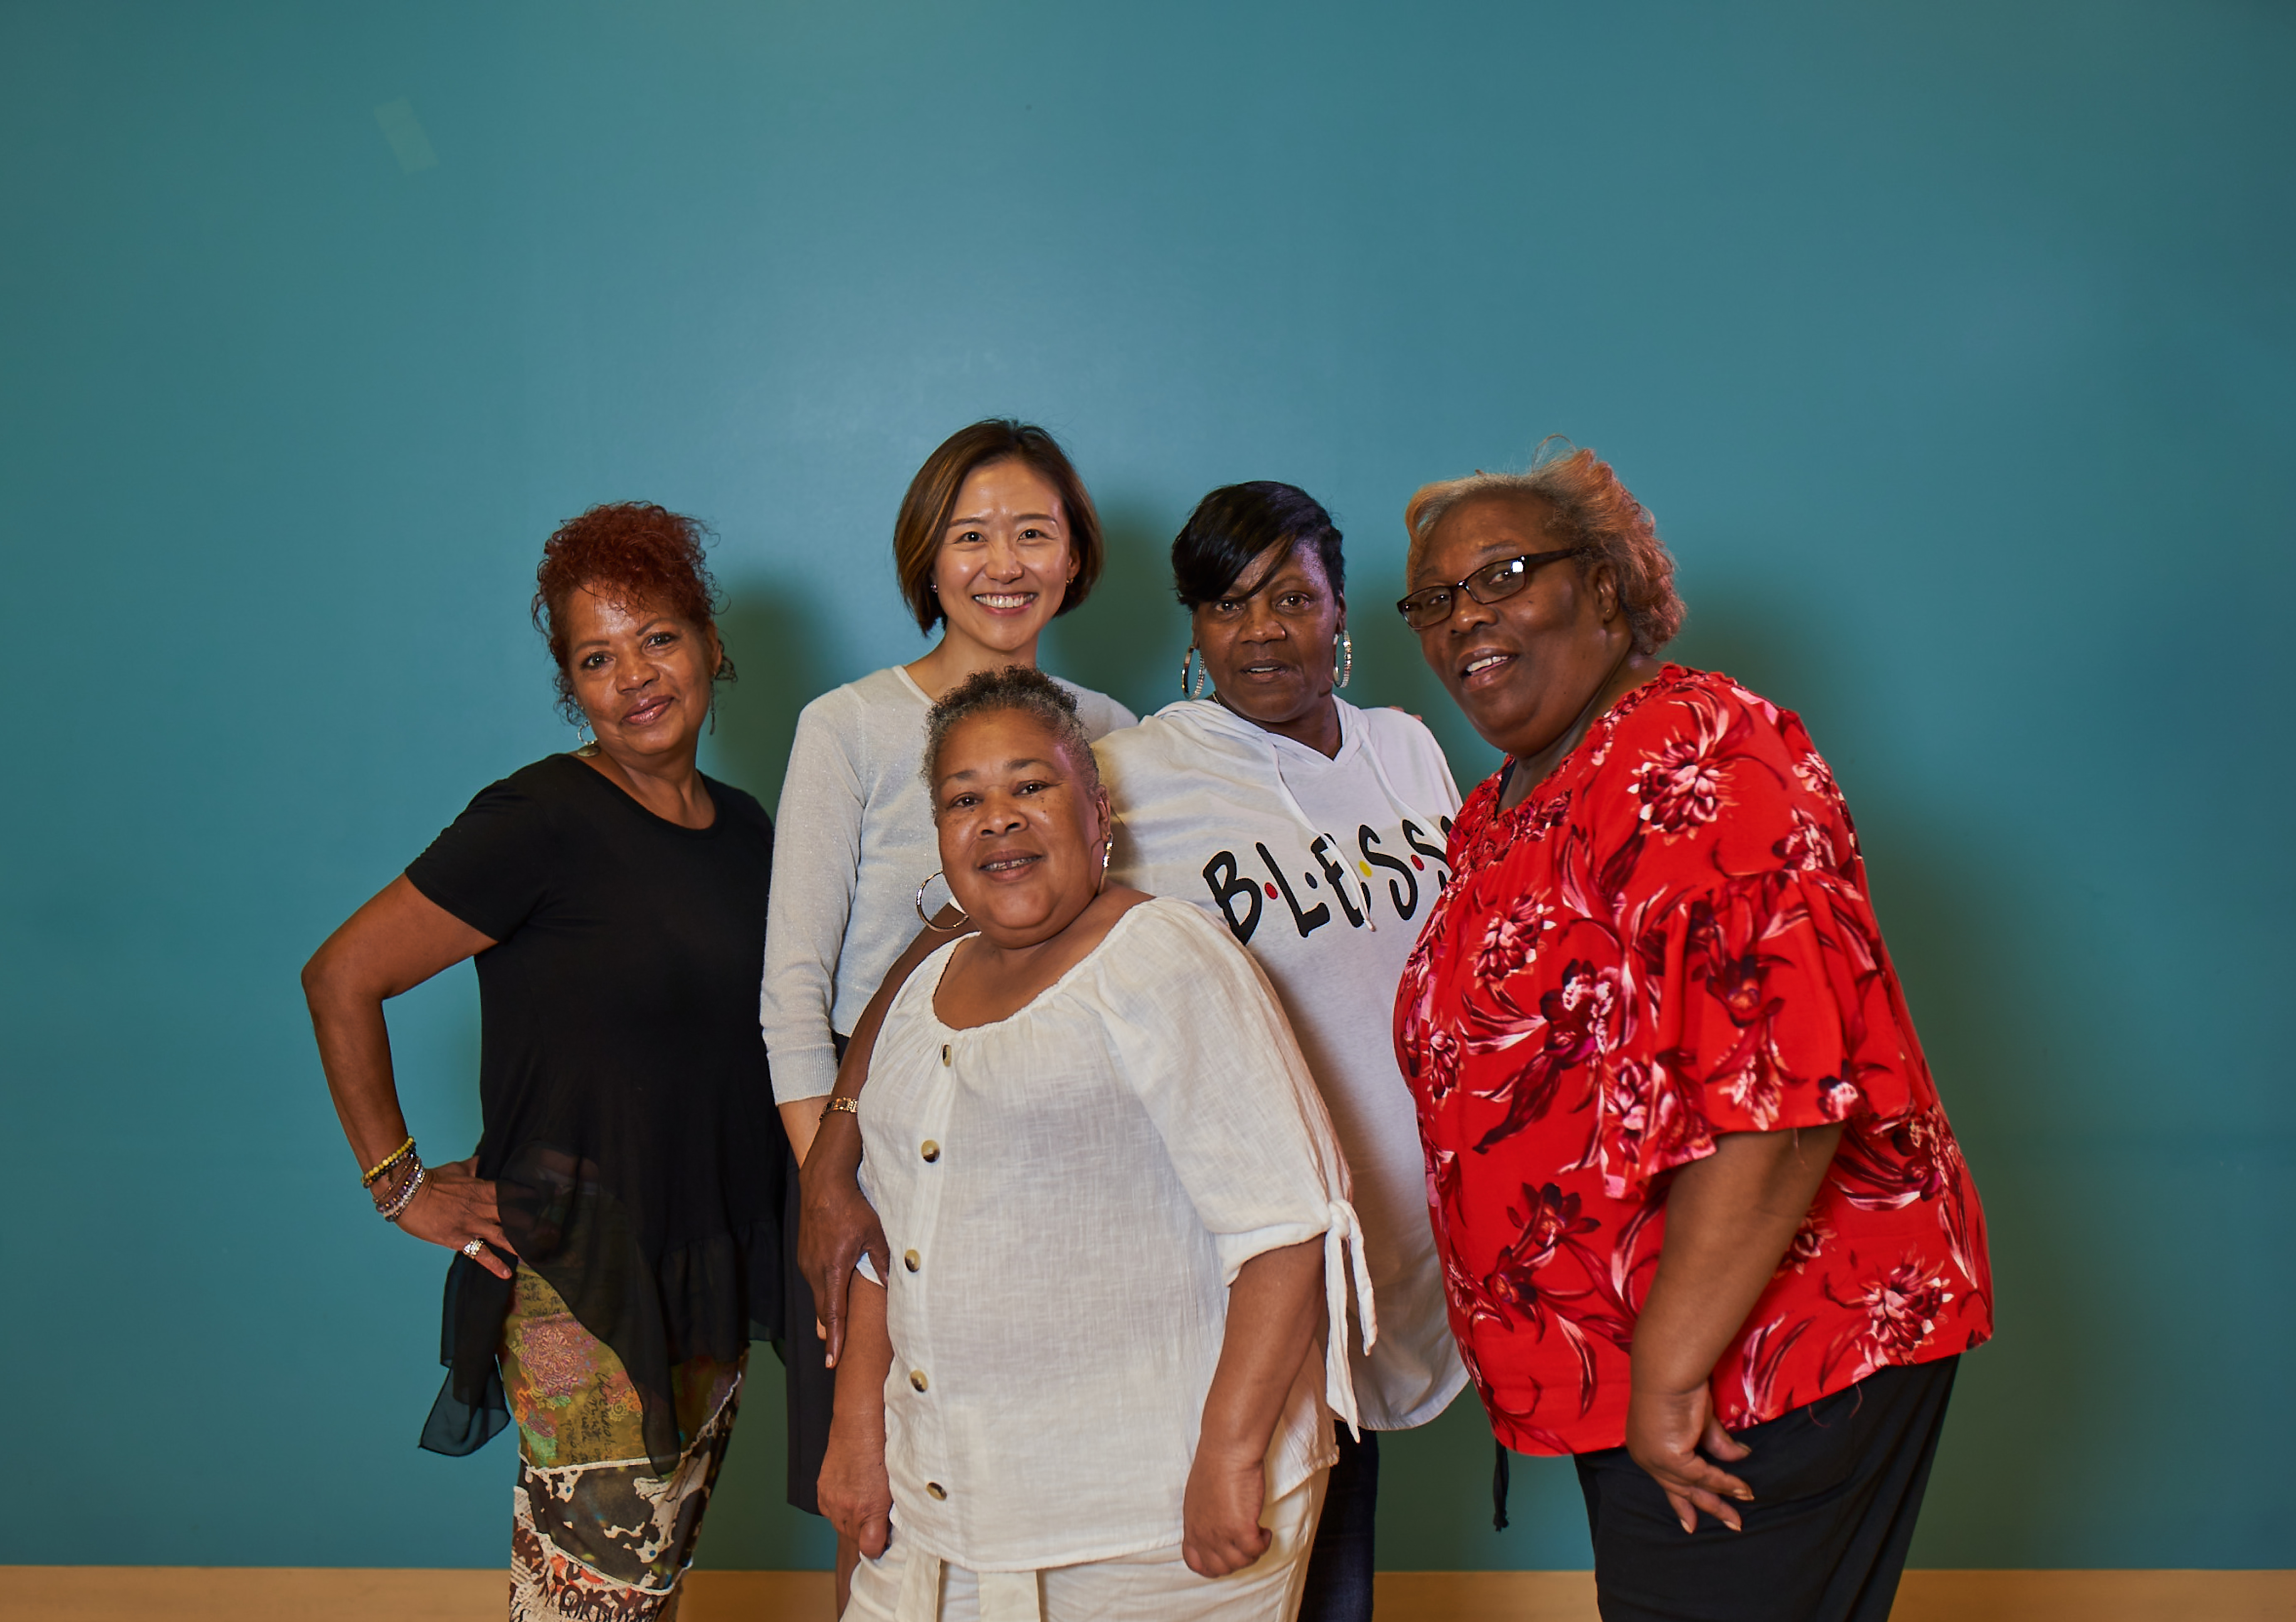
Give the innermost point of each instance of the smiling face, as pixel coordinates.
(1022, 827)
(642, 677)
(1269, 644)
(1004, 561)
(1523, 667)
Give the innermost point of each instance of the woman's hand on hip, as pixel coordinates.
(1220, 1529)
(454, 1205)
(1665, 1430)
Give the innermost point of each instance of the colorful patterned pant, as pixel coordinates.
(598, 1536)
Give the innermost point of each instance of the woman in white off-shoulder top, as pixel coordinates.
(995, 536)
(1091, 1383)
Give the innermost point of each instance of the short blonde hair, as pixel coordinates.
(1592, 510)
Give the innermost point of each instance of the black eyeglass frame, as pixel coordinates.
(1522, 568)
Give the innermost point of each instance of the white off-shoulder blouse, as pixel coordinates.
(1069, 1192)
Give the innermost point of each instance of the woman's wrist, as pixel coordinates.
(1665, 1363)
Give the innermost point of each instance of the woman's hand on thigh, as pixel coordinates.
(1221, 1515)
(853, 1491)
(1665, 1430)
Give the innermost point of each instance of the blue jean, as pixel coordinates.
(1340, 1569)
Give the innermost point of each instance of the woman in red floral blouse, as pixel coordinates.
(1704, 1225)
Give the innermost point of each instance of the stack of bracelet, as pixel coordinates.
(389, 1207)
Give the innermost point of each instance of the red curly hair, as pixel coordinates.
(1592, 512)
(628, 551)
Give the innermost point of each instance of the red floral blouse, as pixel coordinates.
(1669, 939)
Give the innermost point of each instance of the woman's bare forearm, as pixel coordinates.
(868, 1359)
(354, 1054)
(1729, 1218)
(395, 942)
(1273, 1309)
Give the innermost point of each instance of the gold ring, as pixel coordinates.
(474, 1248)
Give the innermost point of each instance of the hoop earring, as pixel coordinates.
(1107, 853)
(584, 743)
(963, 917)
(1347, 661)
(1202, 674)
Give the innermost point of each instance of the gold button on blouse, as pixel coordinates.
(936, 1489)
(928, 1150)
(917, 1379)
(911, 1259)
(944, 1053)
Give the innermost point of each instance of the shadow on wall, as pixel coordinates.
(1127, 639)
(2000, 1037)
(781, 670)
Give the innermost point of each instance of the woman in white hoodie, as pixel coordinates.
(1314, 831)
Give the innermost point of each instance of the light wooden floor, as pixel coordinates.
(155, 1593)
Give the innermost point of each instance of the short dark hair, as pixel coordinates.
(932, 496)
(1235, 524)
(1015, 686)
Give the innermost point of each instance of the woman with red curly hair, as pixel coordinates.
(1704, 1223)
(619, 1225)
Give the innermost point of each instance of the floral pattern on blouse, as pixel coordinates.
(1670, 939)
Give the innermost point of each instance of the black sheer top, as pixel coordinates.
(629, 1116)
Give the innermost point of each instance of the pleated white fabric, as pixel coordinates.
(1069, 1192)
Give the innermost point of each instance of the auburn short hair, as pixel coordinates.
(932, 495)
(632, 552)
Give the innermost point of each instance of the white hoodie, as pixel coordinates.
(1325, 869)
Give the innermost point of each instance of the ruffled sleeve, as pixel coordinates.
(1764, 1003)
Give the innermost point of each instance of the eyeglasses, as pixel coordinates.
(1430, 605)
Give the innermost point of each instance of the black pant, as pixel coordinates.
(811, 1384)
(1338, 1585)
(1838, 1484)
(810, 1389)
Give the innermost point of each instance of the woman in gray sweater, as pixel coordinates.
(995, 536)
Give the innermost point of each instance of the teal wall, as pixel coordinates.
(1954, 345)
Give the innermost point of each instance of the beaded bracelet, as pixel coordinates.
(383, 1169)
(405, 1195)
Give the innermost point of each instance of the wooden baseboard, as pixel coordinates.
(242, 1593)
(1925, 1596)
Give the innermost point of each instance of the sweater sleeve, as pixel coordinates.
(816, 859)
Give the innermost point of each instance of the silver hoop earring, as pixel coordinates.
(963, 917)
(584, 743)
(1202, 674)
(1347, 661)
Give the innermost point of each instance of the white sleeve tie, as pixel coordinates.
(1343, 1258)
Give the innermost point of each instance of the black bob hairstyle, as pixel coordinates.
(1235, 524)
